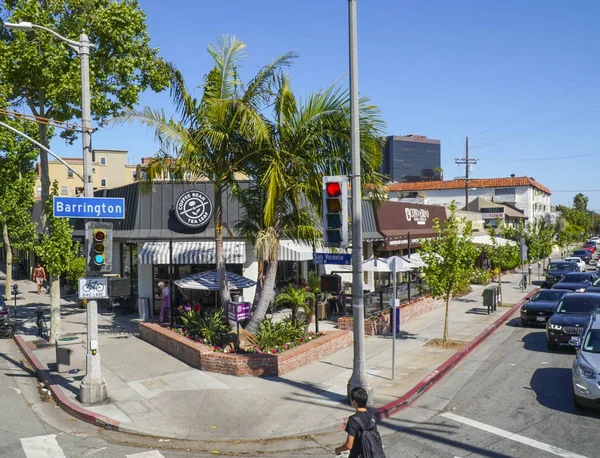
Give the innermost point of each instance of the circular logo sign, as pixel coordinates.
(193, 208)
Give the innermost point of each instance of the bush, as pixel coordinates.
(213, 327)
(270, 335)
(480, 276)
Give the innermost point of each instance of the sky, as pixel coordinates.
(520, 78)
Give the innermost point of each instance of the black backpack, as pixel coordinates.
(372, 446)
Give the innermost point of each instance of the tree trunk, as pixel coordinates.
(55, 329)
(267, 294)
(9, 260)
(445, 335)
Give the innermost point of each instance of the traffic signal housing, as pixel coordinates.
(331, 284)
(99, 247)
(335, 211)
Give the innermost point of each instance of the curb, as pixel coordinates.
(435, 376)
(65, 403)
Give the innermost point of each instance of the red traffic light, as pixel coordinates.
(334, 189)
(99, 236)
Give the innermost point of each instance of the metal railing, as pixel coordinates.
(378, 301)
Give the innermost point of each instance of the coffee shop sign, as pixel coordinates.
(419, 215)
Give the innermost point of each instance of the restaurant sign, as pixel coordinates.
(193, 208)
(492, 213)
(418, 215)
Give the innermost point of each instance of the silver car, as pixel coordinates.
(586, 367)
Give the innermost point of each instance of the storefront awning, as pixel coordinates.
(191, 252)
(295, 251)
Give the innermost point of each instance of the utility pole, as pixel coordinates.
(93, 386)
(468, 163)
(359, 376)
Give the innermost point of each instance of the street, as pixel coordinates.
(509, 398)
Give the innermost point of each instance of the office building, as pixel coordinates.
(411, 158)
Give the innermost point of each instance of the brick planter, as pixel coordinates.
(376, 324)
(260, 364)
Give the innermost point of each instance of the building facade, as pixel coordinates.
(411, 158)
(110, 170)
(524, 194)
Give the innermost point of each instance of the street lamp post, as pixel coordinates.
(359, 371)
(93, 385)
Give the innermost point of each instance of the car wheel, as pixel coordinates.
(551, 346)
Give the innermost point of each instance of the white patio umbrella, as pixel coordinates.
(415, 261)
(209, 281)
(375, 265)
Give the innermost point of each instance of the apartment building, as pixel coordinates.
(110, 170)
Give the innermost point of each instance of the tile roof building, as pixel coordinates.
(523, 193)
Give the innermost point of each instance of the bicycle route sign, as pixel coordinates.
(93, 288)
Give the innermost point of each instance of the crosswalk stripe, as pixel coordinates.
(150, 454)
(42, 447)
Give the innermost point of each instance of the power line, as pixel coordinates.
(533, 159)
(576, 190)
(526, 112)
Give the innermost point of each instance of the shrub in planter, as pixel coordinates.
(213, 327)
(270, 335)
(480, 276)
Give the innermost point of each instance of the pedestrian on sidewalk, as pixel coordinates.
(363, 439)
(165, 296)
(39, 277)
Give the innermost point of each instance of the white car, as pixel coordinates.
(580, 262)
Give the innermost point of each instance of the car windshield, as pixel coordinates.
(559, 267)
(573, 260)
(575, 278)
(596, 283)
(578, 304)
(548, 295)
(580, 252)
(591, 342)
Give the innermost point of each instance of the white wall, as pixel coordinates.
(250, 271)
(145, 287)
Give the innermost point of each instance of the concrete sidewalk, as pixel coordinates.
(155, 394)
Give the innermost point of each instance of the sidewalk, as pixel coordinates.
(155, 394)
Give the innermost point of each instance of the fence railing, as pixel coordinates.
(380, 300)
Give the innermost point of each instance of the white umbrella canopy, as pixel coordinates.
(415, 261)
(398, 263)
(209, 281)
(375, 265)
(487, 240)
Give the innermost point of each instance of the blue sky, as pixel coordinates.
(520, 78)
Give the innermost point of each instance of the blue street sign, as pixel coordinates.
(332, 258)
(89, 207)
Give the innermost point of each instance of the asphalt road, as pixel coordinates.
(509, 398)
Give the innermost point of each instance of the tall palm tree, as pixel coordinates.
(307, 140)
(215, 135)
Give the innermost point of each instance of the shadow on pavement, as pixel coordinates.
(514, 323)
(553, 387)
(536, 341)
(478, 311)
(459, 299)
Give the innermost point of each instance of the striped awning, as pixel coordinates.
(294, 251)
(191, 252)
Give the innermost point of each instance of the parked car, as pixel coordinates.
(577, 261)
(594, 287)
(596, 240)
(586, 367)
(591, 247)
(541, 306)
(556, 270)
(583, 254)
(571, 317)
(576, 281)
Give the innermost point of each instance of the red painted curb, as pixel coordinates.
(65, 403)
(435, 376)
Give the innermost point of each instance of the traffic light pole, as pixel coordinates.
(359, 371)
(93, 386)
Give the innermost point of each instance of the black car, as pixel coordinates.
(594, 287)
(571, 317)
(583, 254)
(556, 270)
(541, 307)
(576, 281)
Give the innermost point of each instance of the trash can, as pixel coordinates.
(321, 310)
(70, 354)
(144, 308)
(397, 321)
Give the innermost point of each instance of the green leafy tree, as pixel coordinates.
(502, 256)
(449, 258)
(211, 137)
(42, 73)
(307, 139)
(17, 175)
(56, 250)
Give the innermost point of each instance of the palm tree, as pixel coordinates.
(296, 298)
(307, 140)
(214, 136)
